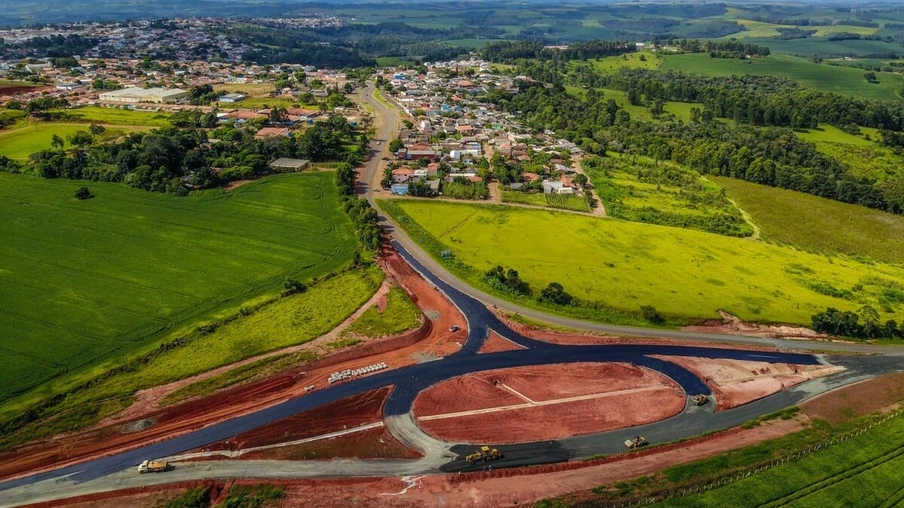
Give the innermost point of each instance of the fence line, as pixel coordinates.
(754, 470)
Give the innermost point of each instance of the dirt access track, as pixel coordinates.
(546, 402)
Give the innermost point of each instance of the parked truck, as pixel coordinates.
(154, 466)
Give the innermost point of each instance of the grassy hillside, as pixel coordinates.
(83, 283)
(620, 266)
(818, 224)
(843, 80)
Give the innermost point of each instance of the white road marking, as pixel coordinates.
(541, 403)
(239, 453)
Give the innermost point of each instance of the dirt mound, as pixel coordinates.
(137, 426)
(734, 325)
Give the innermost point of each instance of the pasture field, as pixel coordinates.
(828, 78)
(567, 202)
(117, 116)
(874, 162)
(681, 110)
(862, 471)
(261, 103)
(817, 224)
(615, 267)
(117, 273)
(831, 134)
(823, 46)
(21, 142)
(398, 315)
(631, 60)
(664, 193)
(288, 321)
(526, 198)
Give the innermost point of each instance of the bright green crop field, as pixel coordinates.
(83, 284)
(843, 80)
(862, 471)
(818, 224)
(117, 116)
(21, 142)
(613, 264)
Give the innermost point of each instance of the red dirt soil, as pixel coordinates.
(340, 415)
(735, 382)
(656, 398)
(591, 339)
(230, 403)
(495, 343)
(872, 395)
(376, 443)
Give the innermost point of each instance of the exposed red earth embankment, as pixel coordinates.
(575, 338)
(737, 382)
(546, 402)
(881, 393)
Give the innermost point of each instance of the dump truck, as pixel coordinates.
(636, 442)
(154, 466)
(699, 399)
(483, 454)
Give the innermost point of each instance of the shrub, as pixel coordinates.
(82, 193)
(555, 293)
(651, 314)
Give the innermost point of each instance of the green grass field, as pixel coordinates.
(117, 273)
(630, 60)
(116, 116)
(612, 264)
(526, 198)
(285, 322)
(399, 314)
(817, 224)
(829, 78)
(21, 142)
(862, 471)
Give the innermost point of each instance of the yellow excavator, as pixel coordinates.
(483, 454)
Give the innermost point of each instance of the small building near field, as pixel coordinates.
(286, 165)
(232, 97)
(400, 189)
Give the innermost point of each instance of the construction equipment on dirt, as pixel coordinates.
(454, 328)
(636, 442)
(154, 466)
(700, 399)
(342, 375)
(484, 454)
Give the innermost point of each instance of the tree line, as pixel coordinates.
(505, 51)
(175, 159)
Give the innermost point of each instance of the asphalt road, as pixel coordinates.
(115, 471)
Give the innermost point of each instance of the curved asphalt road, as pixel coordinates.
(409, 381)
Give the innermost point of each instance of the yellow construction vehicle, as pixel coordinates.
(699, 399)
(483, 454)
(636, 442)
(154, 466)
